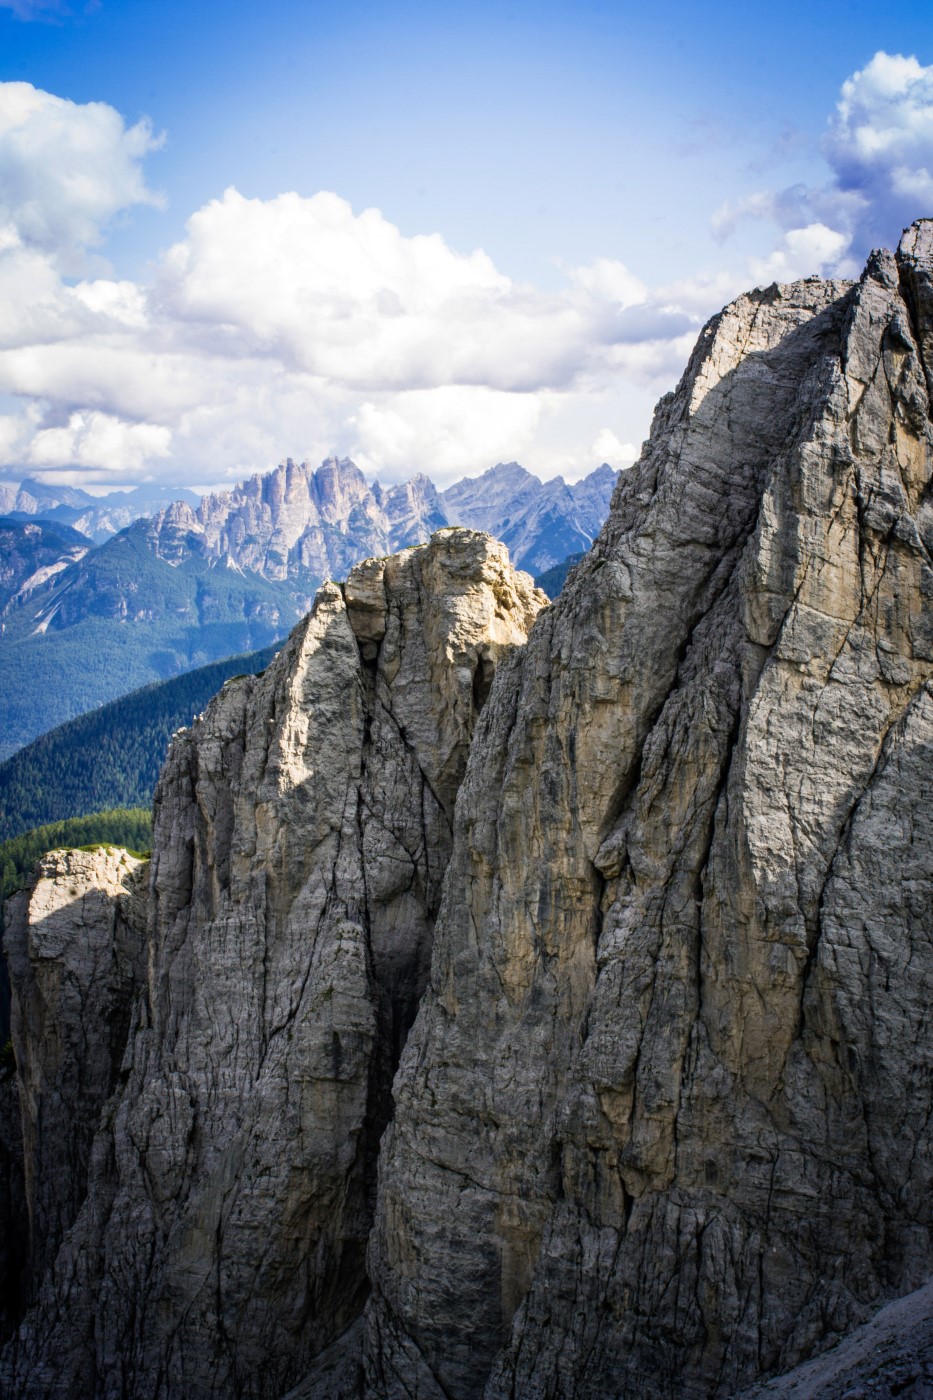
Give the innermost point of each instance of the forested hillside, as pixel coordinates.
(553, 579)
(109, 757)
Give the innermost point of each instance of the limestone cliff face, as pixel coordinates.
(303, 827)
(75, 945)
(663, 1123)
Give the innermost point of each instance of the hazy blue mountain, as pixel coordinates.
(32, 552)
(123, 616)
(299, 521)
(98, 517)
(203, 579)
(540, 521)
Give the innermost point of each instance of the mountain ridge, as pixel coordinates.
(195, 583)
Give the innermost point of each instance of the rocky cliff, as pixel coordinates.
(75, 947)
(303, 826)
(662, 1124)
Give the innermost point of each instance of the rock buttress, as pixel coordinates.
(302, 830)
(664, 1121)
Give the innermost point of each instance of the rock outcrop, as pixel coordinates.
(664, 1121)
(75, 945)
(663, 1124)
(302, 831)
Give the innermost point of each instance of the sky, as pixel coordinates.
(426, 236)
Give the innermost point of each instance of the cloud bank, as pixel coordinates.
(296, 326)
(879, 150)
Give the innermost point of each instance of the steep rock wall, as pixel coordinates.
(75, 945)
(302, 830)
(663, 1122)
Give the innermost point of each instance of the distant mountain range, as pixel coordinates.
(300, 522)
(98, 517)
(196, 581)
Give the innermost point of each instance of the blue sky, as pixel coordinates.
(622, 168)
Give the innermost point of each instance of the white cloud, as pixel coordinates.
(65, 170)
(295, 326)
(460, 426)
(880, 146)
(93, 439)
(286, 326)
(607, 447)
(803, 252)
(879, 150)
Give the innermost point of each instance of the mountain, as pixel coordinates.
(111, 756)
(540, 521)
(552, 580)
(98, 517)
(137, 609)
(32, 553)
(349, 753)
(195, 583)
(303, 522)
(529, 1000)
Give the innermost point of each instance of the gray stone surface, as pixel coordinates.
(75, 946)
(663, 1122)
(891, 1355)
(303, 827)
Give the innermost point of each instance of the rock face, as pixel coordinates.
(892, 1355)
(664, 1121)
(303, 827)
(75, 945)
(662, 1128)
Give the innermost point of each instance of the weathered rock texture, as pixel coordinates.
(303, 827)
(75, 945)
(890, 1356)
(664, 1121)
(663, 1126)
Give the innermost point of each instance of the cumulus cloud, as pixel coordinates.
(880, 146)
(290, 325)
(94, 439)
(65, 170)
(879, 150)
(803, 252)
(465, 426)
(606, 447)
